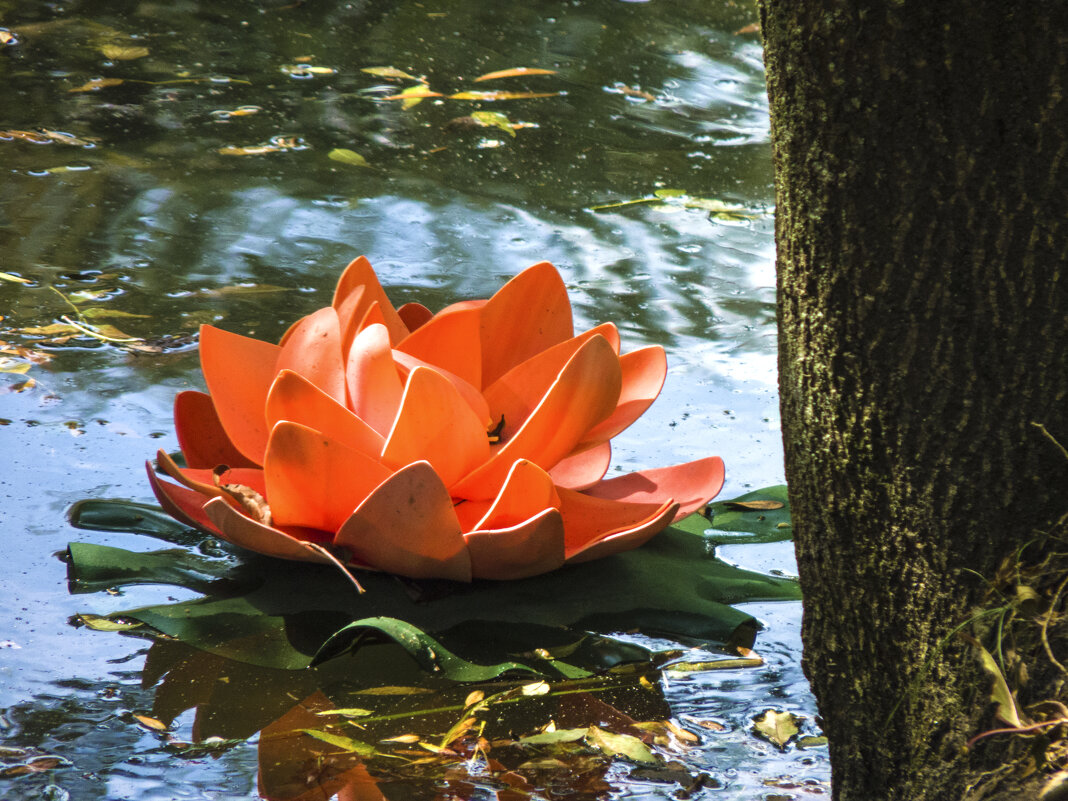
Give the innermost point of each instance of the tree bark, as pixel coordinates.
(921, 158)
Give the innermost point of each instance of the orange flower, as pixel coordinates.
(471, 443)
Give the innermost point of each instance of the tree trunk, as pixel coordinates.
(921, 158)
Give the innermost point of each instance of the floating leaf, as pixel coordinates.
(16, 279)
(494, 119)
(6, 36)
(490, 96)
(99, 312)
(14, 366)
(123, 52)
(306, 70)
(389, 72)
(767, 523)
(96, 84)
(150, 722)
(342, 742)
(413, 95)
(346, 156)
(98, 623)
(630, 91)
(753, 27)
(92, 568)
(514, 72)
(348, 712)
(748, 506)
(129, 517)
(776, 727)
(403, 738)
(555, 737)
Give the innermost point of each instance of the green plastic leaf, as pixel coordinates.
(766, 525)
(431, 655)
(91, 568)
(134, 518)
(279, 614)
(346, 156)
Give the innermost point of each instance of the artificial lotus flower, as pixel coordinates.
(470, 443)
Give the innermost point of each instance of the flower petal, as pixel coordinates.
(596, 527)
(527, 315)
(450, 340)
(528, 548)
(359, 273)
(295, 398)
(314, 480)
(436, 425)
(583, 468)
(245, 532)
(527, 491)
(515, 394)
(407, 526)
(239, 371)
(313, 350)
(375, 388)
(406, 363)
(691, 485)
(184, 505)
(201, 435)
(583, 395)
(644, 372)
(414, 315)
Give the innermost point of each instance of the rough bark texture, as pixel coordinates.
(921, 156)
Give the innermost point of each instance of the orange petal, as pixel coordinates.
(245, 532)
(644, 372)
(406, 363)
(350, 313)
(184, 505)
(527, 491)
(515, 394)
(470, 512)
(407, 526)
(414, 315)
(450, 340)
(691, 485)
(313, 350)
(295, 398)
(375, 387)
(435, 424)
(583, 395)
(527, 315)
(360, 273)
(239, 372)
(595, 527)
(584, 468)
(315, 481)
(201, 435)
(529, 548)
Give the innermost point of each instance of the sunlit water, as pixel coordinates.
(147, 213)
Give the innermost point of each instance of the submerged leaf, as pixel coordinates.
(346, 156)
(389, 72)
(624, 745)
(514, 72)
(342, 742)
(123, 52)
(494, 119)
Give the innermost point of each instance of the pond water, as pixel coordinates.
(170, 164)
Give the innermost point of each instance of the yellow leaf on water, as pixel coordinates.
(6, 36)
(776, 727)
(515, 71)
(537, 688)
(389, 72)
(97, 312)
(123, 52)
(402, 738)
(346, 156)
(98, 623)
(474, 698)
(14, 366)
(306, 70)
(754, 505)
(96, 84)
(150, 723)
(251, 150)
(494, 119)
(502, 95)
(17, 279)
(412, 96)
(54, 329)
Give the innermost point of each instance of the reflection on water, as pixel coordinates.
(140, 222)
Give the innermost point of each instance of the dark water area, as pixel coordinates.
(164, 165)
